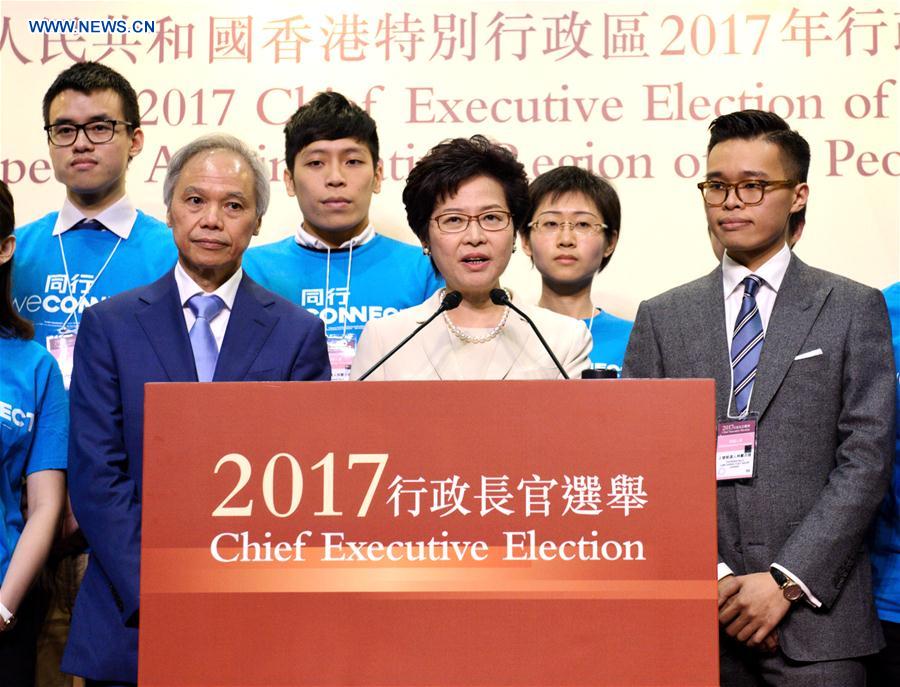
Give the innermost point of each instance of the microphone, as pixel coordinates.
(599, 374)
(500, 297)
(450, 301)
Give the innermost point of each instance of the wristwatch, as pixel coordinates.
(791, 590)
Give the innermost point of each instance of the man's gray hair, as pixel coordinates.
(218, 142)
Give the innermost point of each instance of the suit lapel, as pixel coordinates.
(797, 306)
(704, 337)
(162, 320)
(249, 325)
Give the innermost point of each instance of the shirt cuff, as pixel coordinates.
(810, 599)
(723, 571)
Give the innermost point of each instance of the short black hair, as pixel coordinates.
(328, 117)
(448, 165)
(12, 325)
(87, 77)
(569, 179)
(750, 124)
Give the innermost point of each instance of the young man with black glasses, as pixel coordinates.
(96, 246)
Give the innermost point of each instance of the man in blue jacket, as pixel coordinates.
(205, 320)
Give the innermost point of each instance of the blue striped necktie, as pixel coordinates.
(203, 342)
(746, 345)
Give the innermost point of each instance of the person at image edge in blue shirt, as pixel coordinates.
(885, 671)
(97, 245)
(33, 429)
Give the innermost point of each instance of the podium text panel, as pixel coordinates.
(439, 533)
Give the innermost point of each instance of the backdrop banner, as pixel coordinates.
(624, 88)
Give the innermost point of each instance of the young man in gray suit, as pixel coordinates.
(803, 370)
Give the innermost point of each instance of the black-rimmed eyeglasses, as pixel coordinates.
(102, 131)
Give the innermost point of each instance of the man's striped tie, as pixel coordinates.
(746, 344)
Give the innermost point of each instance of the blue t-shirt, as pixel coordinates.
(41, 292)
(34, 426)
(385, 276)
(610, 334)
(886, 530)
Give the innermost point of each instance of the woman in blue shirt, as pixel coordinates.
(33, 432)
(574, 228)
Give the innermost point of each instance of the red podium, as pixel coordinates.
(429, 533)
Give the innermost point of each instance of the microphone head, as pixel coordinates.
(499, 297)
(452, 300)
(599, 374)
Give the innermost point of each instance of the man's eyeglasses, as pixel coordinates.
(456, 222)
(580, 227)
(748, 191)
(62, 135)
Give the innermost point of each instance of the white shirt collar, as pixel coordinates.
(771, 272)
(118, 218)
(187, 287)
(307, 240)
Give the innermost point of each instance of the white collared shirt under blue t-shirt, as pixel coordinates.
(42, 293)
(368, 277)
(34, 421)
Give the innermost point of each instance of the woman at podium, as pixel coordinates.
(34, 423)
(466, 200)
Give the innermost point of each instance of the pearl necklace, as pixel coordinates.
(467, 338)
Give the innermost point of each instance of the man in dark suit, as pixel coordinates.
(203, 321)
(805, 355)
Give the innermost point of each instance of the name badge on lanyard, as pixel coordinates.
(341, 351)
(62, 348)
(736, 447)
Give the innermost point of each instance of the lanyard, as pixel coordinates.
(71, 287)
(731, 397)
(594, 311)
(346, 288)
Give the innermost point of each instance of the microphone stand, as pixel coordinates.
(451, 300)
(500, 297)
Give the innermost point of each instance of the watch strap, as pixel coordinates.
(779, 577)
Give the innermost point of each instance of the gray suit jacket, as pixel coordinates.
(518, 353)
(824, 440)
